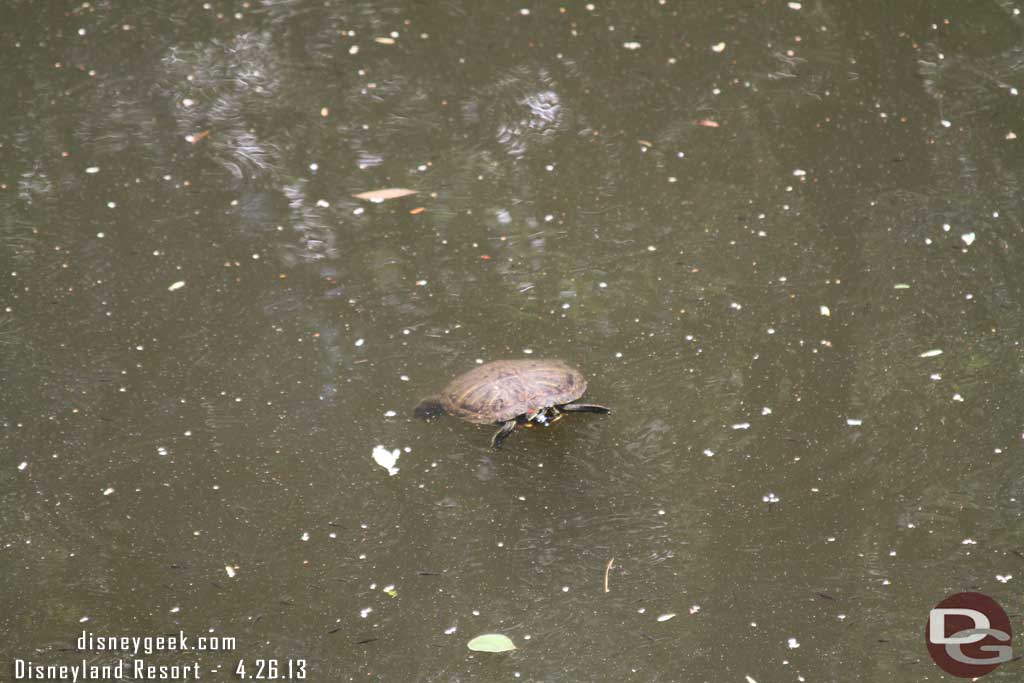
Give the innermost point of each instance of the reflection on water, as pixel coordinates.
(746, 225)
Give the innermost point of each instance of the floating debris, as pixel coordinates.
(384, 40)
(491, 642)
(931, 353)
(176, 286)
(386, 459)
(666, 617)
(718, 47)
(968, 238)
(383, 194)
(854, 421)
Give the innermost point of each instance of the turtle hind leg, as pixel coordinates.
(584, 408)
(428, 408)
(499, 436)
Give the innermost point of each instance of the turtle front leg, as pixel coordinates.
(499, 436)
(584, 408)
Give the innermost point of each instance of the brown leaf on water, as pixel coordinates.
(198, 136)
(387, 193)
(418, 210)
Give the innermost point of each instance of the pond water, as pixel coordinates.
(779, 239)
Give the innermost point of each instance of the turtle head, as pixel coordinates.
(429, 407)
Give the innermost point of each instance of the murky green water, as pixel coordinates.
(748, 224)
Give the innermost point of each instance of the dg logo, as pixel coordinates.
(968, 635)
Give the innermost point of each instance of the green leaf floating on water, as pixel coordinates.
(491, 642)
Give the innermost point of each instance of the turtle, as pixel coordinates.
(510, 393)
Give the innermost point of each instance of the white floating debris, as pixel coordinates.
(22, 466)
(766, 411)
(741, 425)
(187, 102)
(386, 459)
(631, 45)
(901, 285)
(735, 306)
(854, 421)
(176, 286)
(825, 311)
(450, 630)
(525, 11)
(957, 397)
(305, 536)
(107, 491)
(390, 413)
(666, 617)
(230, 571)
(354, 50)
(931, 353)
(709, 453)
(798, 172)
(1004, 578)
(360, 341)
(749, 679)
(794, 5)
(92, 169)
(968, 238)
(968, 541)
(384, 40)
(946, 123)
(365, 612)
(694, 609)
(792, 643)
(718, 47)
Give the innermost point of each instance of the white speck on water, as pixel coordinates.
(718, 47)
(1004, 578)
(741, 425)
(354, 50)
(107, 491)
(386, 458)
(230, 571)
(661, 512)
(565, 306)
(749, 679)
(22, 466)
(314, 167)
(968, 541)
(946, 227)
(794, 5)
(766, 411)
(652, 248)
(770, 497)
(799, 172)
(404, 378)
(175, 286)
(93, 169)
(946, 123)
(935, 376)
(631, 45)
(602, 285)
(100, 235)
(360, 341)
(672, 179)
(358, 211)
(111, 205)
(618, 354)
(548, 218)
(641, 610)
(735, 306)
(83, 620)
(667, 616)
(709, 453)
(854, 421)
(771, 330)
(931, 353)
(305, 536)
(825, 311)
(161, 450)
(527, 351)
(792, 643)
(968, 238)
(549, 167)
(323, 203)
(450, 630)
(390, 413)
(421, 283)
(957, 397)
(175, 610)
(565, 589)
(365, 612)
(525, 11)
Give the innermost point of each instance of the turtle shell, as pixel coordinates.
(504, 389)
